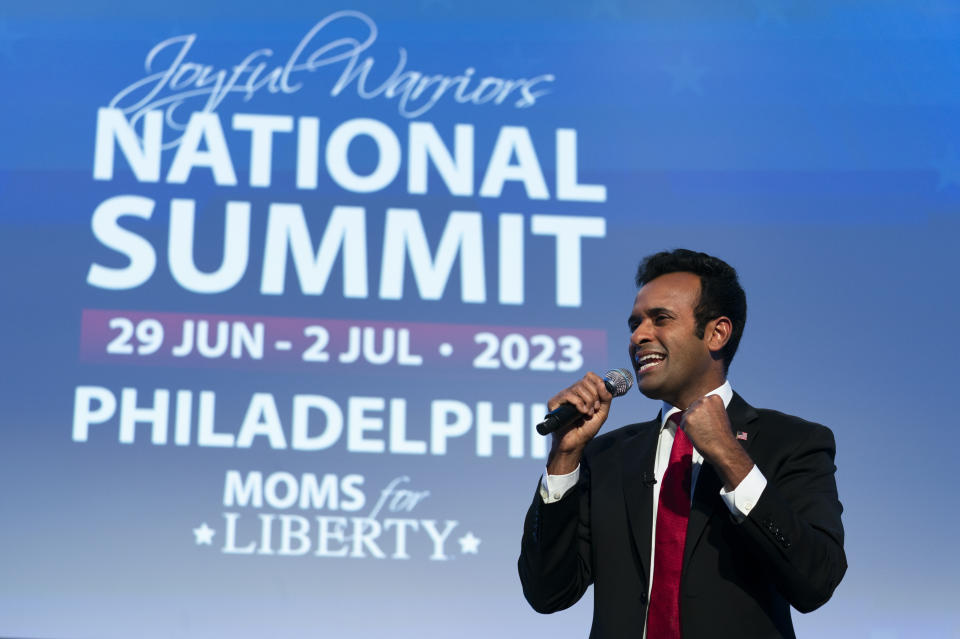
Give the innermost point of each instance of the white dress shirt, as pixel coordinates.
(740, 501)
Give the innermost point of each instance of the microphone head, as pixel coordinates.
(619, 381)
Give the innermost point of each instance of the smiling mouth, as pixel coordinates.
(649, 361)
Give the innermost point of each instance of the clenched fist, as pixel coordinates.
(708, 427)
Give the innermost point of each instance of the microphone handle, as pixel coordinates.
(565, 414)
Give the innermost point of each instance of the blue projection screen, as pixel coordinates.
(287, 288)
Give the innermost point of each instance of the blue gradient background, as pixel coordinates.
(814, 146)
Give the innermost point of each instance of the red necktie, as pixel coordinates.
(673, 511)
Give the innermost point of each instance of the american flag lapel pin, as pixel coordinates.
(742, 435)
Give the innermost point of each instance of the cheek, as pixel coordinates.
(679, 357)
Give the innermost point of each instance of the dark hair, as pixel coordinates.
(720, 290)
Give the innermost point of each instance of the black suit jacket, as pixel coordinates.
(739, 579)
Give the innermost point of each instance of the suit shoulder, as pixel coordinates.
(791, 426)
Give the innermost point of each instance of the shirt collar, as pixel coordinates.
(725, 391)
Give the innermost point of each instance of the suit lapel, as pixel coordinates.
(637, 455)
(706, 494)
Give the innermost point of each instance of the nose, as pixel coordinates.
(640, 335)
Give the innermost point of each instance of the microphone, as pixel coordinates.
(618, 381)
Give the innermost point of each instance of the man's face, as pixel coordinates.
(670, 361)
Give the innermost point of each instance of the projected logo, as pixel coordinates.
(388, 529)
(195, 208)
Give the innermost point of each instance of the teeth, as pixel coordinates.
(649, 361)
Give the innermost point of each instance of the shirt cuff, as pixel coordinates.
(554, 487)
(744, 497)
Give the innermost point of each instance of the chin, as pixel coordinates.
(649, 390)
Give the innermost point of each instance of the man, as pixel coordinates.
(710, 520)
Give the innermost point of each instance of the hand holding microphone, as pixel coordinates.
(586, 401)
(615, 382)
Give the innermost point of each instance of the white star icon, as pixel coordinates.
(204, 534)
(469, 544)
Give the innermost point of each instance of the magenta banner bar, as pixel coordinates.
(200, 340)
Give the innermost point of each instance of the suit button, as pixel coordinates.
(643, 598)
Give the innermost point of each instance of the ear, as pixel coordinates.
(717, 333)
